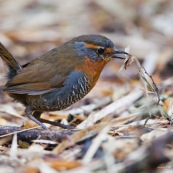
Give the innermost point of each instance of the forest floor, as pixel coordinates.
(125, 123)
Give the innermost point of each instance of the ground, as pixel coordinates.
(125, 123)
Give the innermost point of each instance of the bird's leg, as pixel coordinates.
(31, 116)
(37, 115)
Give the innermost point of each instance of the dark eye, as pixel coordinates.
(100, 50)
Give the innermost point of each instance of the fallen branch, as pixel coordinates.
(32, 134)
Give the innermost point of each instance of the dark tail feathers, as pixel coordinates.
(9, 60)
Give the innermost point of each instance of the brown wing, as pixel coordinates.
(41, 75)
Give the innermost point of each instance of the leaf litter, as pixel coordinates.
(132, 133)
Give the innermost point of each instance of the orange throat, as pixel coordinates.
(92, 69)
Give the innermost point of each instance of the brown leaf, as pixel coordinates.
(63, 164)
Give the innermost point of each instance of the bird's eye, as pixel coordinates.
(100, 50)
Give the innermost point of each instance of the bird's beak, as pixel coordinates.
(117, 52)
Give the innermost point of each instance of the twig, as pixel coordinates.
(154, 84)
(95, 145)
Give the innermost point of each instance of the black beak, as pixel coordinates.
(119, 52)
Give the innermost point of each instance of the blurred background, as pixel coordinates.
(29, 28)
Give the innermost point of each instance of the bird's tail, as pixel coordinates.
(9, 60)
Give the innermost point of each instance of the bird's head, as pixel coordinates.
(91, 53)
(96, 48)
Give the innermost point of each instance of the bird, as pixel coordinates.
(58, 78)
